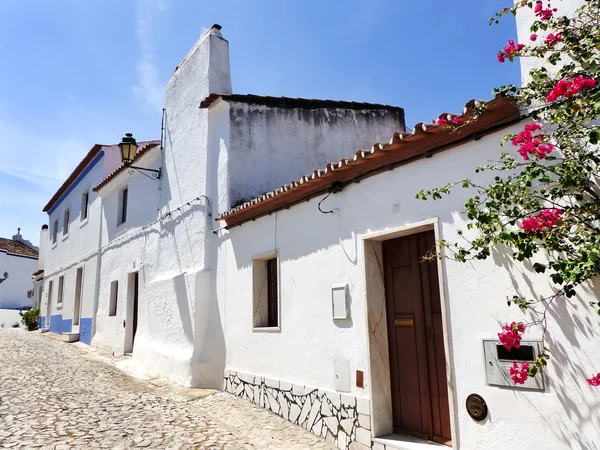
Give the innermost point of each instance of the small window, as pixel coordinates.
(66, 223)
(265, 293)
(50, 283)
(123, 206)
(61, 282)
(55, 231)
(114, 293)
(85, 197)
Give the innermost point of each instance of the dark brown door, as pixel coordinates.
(416, 341)
(135, 308)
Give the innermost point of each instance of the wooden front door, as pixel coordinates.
(416, 340)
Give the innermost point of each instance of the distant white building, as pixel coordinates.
(18, 259)
(272, 260)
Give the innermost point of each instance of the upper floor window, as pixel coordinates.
(55, 231)
(66, 223)
(61, 284)
(85, 197)
(122, 206)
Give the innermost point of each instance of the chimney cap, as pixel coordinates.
(44, 227)
(217, 26)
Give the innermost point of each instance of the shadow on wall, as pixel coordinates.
(183, 305)
(569, 322)
(208, 360)
(574, 318)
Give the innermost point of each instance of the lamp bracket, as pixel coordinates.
(154, 173)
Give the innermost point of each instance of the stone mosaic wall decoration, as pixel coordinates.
(341, 419)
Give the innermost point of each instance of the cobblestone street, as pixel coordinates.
(55, 395)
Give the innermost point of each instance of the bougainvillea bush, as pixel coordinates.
(545, 199)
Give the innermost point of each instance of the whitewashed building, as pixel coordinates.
(309, 297)
(18, 259)
(72, 242)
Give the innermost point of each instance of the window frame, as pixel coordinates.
(266, 293)
(61, 290)
(123, 206)
(113, 299)
(55, 232)
(85, 206)
(66, 220)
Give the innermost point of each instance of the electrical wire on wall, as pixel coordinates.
(336, 187)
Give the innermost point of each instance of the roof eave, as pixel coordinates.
(404, 148)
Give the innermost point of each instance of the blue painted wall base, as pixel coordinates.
(85, 330)
(42, 322)
(59, 325)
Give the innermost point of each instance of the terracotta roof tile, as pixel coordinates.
(17, 248)
(144, 147)
(288, 102)
(403, 148)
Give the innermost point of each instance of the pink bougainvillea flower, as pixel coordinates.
(565, 88)
(519, 374)
(509, 51)
(595, 380)
(533, 37)
(500, 57)
(544, 220)
(531, 144)
(552, 39)
(511, 336)
(442, 122)
(456, 121)
(544, 14)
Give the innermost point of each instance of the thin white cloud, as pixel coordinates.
(148, 85)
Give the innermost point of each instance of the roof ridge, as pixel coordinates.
(294, 102)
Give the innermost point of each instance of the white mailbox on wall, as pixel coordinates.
(498, 362)
(339, 300)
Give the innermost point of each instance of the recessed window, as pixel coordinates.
(50, 283)
(85, 197)
(66, 223)
(123, 206)
(114, 294)
(61, 282)
(55, 231)
(265, 289)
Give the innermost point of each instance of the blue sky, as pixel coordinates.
(77, 73)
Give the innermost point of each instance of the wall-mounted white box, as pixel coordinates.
(498, 362)
(341, 373)
(339, 301)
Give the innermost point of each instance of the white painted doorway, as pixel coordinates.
(78, 295)
(131, 321)
(49, 304)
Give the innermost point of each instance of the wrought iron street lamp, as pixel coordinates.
(128, 148)
(5, 277)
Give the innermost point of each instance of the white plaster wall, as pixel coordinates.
(128, 248)
(176, 335)
(318, 250)
(13, 291)
(525, 17)
(272, 146)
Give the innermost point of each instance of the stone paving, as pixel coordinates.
(58, 396)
